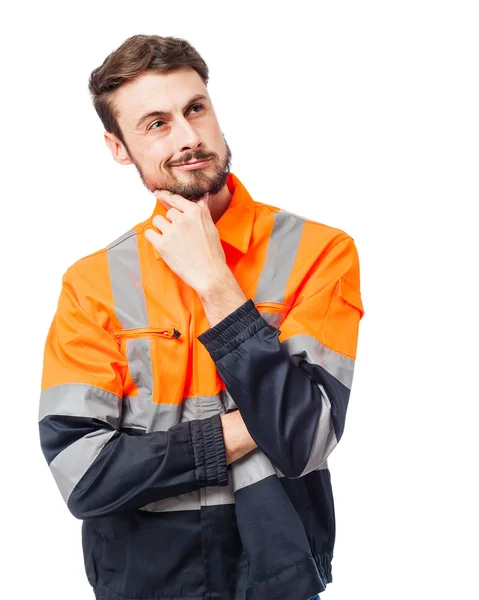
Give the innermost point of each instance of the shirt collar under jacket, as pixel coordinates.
(236, 223)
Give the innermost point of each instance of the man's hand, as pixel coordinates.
(189, 241)
(238, 441)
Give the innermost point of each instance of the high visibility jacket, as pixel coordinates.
(135, 380)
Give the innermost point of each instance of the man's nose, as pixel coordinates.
(186, 136)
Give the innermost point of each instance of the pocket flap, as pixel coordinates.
(350, 294)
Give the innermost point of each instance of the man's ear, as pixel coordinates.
(117, 149)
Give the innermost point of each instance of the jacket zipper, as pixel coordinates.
(272, 307)
(145, 332)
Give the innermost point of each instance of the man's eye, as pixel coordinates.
(152, 126)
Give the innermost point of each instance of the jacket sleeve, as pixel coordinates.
(99, 469)
(292, 385)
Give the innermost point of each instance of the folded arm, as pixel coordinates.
(100, 469)
(292, 385)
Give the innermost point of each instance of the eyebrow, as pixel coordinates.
(163, 113)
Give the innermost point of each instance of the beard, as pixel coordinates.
(199, 182)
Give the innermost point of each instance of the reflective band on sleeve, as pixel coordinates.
(73, 462)
(307, 347)
(81, 400)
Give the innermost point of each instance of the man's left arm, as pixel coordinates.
(291, 385)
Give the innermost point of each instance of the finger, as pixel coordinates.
(160, 222)
(172, 215)
(174, 200)
(165, 203)
(153, 237)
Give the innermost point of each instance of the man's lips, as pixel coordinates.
(197, 164)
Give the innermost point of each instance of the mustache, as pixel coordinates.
(193, 158)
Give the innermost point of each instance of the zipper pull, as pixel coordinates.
(171, 333)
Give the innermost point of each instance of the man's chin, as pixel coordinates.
(192, 196)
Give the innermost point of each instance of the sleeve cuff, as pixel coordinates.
(209, 451)
(234, 329)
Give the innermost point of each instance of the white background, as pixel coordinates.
(360, 115)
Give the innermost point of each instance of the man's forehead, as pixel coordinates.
(157, 91)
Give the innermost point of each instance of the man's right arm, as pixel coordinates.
(99, 469)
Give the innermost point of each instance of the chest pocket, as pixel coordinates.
(158, 362)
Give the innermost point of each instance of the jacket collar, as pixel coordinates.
(236, 224)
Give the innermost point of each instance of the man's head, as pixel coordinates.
(151, 97)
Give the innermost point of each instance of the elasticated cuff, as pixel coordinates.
(234, 329)
(209, 451)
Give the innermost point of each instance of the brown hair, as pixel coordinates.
(135, 56)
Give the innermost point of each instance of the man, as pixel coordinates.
(198, 369)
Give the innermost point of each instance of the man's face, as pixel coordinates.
(187, 131)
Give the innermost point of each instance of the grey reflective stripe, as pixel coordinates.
(80, 400)
(273, 319)
(126, 284)
(280, 258)
(215, 495)
(250, 469)
(227, 400)
(321, 467)
(324, 439)
(200, 407)
(130, 308)
(71, 464)
(160, 417)
(255, 467)
(306, 346)
(140, 410)
(188, 501)
(121, 238)
(303, 346)
(208, 496)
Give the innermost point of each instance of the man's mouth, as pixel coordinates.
(197, 164)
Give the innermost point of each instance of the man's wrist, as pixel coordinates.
(216, 284)
(238, 441)
(221, 298)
